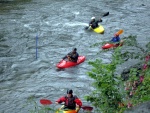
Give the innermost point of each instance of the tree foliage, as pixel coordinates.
(109, 95)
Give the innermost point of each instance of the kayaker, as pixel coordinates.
(94, 23)
(72, 56)
(70, 101)
(116, 38)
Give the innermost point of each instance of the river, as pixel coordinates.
(58, 26)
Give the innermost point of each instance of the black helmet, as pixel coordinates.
(69, 91)
(74, 49)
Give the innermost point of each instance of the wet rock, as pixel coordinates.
(5, 1)
(142, 108)
(125, 73)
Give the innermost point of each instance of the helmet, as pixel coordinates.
(69, 91)
(92, 18)
(116, 34)
(74, 49)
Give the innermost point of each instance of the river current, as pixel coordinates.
(58, 26)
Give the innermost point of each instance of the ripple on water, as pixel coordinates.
(59, 27)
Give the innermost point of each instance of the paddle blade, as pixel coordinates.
(106, 14)
(45, 102)
(87, 108)
(119, 32)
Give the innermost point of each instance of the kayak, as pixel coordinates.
(110, 45)
(67, 64)
(99, 29)
(66, 111)
(61, 110)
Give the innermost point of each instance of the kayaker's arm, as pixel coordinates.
(66, 56)
(100, 20)
(60, 100)
(56, 103)
(78, 102)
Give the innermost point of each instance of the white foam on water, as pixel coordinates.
(76, 13)
(75, 24)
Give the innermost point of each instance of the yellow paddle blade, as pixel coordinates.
(119, 32)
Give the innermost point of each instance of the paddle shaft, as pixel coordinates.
(36, 46)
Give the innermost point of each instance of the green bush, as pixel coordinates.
(109, 95)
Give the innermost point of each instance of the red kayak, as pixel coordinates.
(108, 45)
(67, 64)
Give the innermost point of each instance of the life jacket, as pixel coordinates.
(70, 102)
(94, 24)
(115, 39)
(73, 56)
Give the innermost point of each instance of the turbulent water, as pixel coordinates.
(58, 26)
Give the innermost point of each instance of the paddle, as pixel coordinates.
(45, 102)
(106, 14)
(119, 32)
(48, 102)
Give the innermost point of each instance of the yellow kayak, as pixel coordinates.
(99, 29)
(61, 110)
(66, 111)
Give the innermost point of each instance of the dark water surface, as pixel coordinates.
(59, 26)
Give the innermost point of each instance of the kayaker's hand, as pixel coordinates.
(68, 56)
(56, 103)
(100, 20)
(78, 106)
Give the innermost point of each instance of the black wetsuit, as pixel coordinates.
(73, 56)
(94, 23)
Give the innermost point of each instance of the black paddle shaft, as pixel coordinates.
(106, 14)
